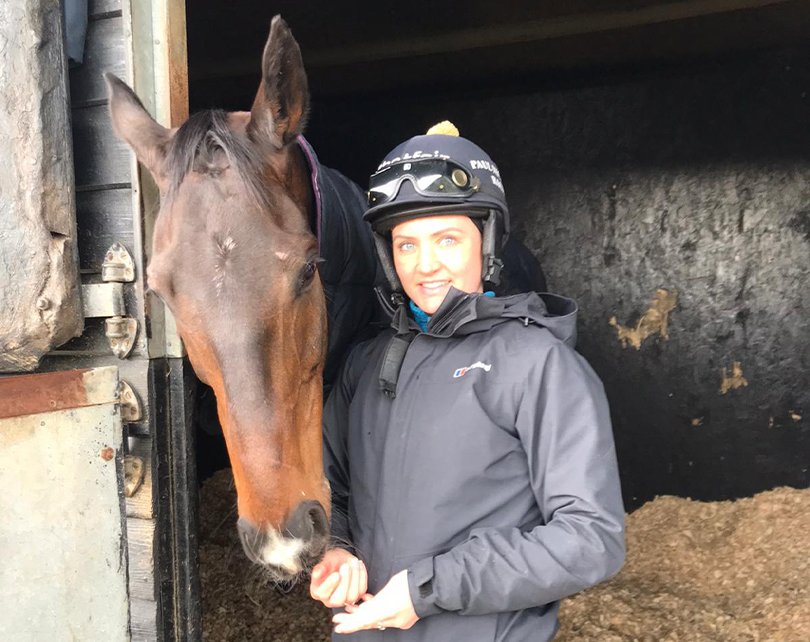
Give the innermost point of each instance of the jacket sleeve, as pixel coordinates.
(564, 425)
(335, 454)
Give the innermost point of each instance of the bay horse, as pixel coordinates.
(235, 256)
(247, 217)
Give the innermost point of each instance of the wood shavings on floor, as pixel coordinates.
(696, 571)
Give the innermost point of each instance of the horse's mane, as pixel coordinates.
(195, 147)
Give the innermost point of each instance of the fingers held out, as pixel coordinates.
(359, 581)
(358, 618)
(325, 589)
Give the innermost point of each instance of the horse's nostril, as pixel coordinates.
(320, 523)
(307, 522)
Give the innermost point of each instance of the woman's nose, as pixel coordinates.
(427, 260)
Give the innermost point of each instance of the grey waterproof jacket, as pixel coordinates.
(491, 476)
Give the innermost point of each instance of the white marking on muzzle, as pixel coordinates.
(283, 552)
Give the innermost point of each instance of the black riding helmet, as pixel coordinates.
(438, 173)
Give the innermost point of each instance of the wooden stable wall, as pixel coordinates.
(137, 40)
(106, 210)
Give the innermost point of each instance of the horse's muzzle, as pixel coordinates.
(302, 540)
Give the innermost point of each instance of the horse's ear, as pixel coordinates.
(133, 124)
(280, 108)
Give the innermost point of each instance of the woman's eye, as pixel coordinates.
(447, 241)
(406, 247)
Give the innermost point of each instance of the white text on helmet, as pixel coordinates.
(416, 155)
(487, 165)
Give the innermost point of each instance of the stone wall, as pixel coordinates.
(39, 299)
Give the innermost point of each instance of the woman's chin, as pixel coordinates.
(429, 302)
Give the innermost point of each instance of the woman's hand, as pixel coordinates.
(339, 579)
(391, 607)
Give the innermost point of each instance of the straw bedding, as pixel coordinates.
(695, 571)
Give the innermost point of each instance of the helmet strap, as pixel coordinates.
(492, 265)
(383, 246)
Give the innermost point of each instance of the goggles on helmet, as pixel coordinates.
(435, 177)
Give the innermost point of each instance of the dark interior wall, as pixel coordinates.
(692, 178)
(695, 179)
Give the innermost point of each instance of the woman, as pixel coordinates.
(469, 448)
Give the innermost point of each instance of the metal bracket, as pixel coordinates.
(130, 405)
(121, 332)
(133, 474)
(118, 265)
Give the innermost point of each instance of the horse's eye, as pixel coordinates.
(308, 272)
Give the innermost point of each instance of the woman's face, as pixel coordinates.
(433, 253)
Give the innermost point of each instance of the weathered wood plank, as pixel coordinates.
(103, 217)
(100, 158)
(39, 301)
(143, 619)
(141, 540)
(104, 51)
(142, 503)
(178, 61)
(47, 392)
(134, 371)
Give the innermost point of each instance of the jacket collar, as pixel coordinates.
(462, 313)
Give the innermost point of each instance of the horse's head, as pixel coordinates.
(235, 260)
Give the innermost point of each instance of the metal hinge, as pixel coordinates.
(107, 300)
(118, 265)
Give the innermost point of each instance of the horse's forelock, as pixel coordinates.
(202, 134)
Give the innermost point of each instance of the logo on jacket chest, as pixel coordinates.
(460, 372)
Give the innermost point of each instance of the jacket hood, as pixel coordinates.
(461, 314)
